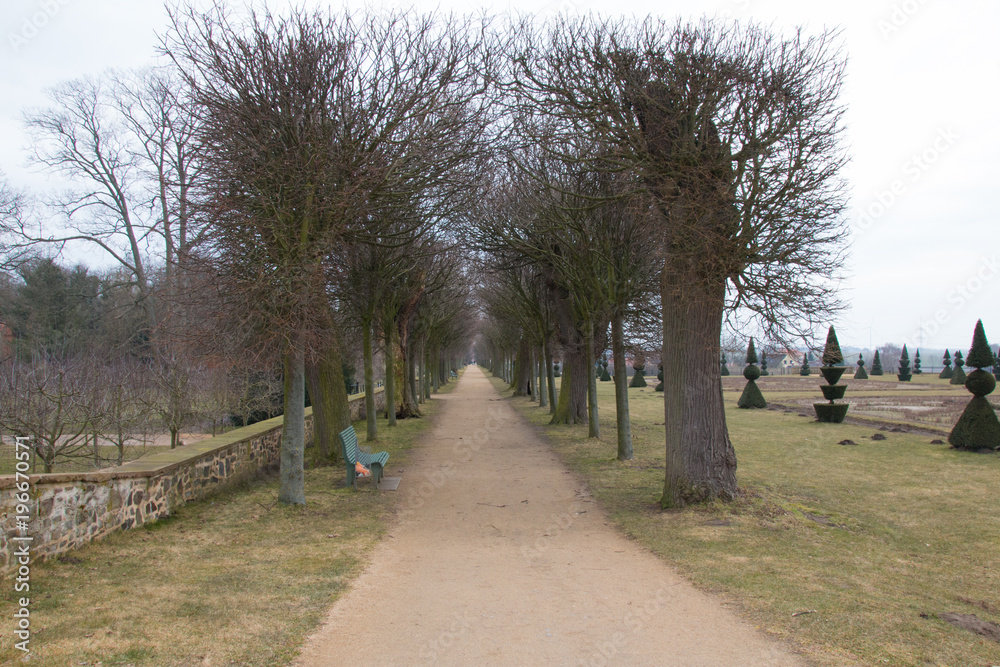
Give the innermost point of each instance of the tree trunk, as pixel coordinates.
(405, 368)
(292, 488)
(621, 388)
(425, 373)
(49, 458)
(700, 459)
(550, 373)
(390, 373)
(331, 412)
(594, 430)
(422, 373)
(522, 370)
(411, 369)
(369, 361)
(436, 371)
(542, 384)
(572, 404)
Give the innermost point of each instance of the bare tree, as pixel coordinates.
(152, 108)
(122, 403)
(45, 398)
(13, 212)
(82, 140)
(733, 133)
(889, 355)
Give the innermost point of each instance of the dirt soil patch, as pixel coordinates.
(973, 623)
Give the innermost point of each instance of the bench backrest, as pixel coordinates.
(349, 443)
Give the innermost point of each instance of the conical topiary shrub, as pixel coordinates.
(804, 370)
(555, 370)
(958, 377)
(751, 396)
(946, 371)
(659, 376)
(723, 365)
(904, 374)
(916, 363)
(832, 370)
(639, 365)
(763, 364)
(861, 374)
(877, 364)
(605, 376)
(978, 427)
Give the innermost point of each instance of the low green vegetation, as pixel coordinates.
(849, 551)
(236, 579)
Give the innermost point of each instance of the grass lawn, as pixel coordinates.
(873, 541)
(234, 579)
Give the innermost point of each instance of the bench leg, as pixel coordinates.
(376, 473)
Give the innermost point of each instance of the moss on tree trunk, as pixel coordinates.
(331, 412)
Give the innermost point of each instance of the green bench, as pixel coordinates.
(352, 455)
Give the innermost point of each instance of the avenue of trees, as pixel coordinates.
(720, 143)
(300, 186)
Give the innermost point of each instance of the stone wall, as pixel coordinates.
(68, 510)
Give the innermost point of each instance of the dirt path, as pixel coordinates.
(500, 557)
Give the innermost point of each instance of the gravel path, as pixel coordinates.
(499, 556)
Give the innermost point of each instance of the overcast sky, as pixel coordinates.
(922, 97)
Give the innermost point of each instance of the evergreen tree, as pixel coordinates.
(605, 376)
(723, 365)
(978, 427)
(996, 365)
(555, 370)
(804, 370)
(946, 371)
(877, 365)
(763, 363)
(916, 363)
(751, 396)
(659, 376)
(861, 374)
(904, 374)
(958, 377)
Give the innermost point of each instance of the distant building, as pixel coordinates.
(790, 360)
